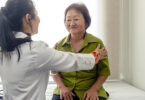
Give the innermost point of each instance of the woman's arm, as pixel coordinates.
(56, 77)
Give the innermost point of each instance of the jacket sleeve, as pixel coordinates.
(51, 59)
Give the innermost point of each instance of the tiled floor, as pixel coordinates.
(118, 91)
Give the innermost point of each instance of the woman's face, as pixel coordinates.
(35, 23)
(75, 23)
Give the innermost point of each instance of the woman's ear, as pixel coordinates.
(27, 18)
(86, 26)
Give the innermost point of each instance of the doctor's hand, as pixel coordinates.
(99, 53)
(54, 47)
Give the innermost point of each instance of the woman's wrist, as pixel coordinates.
(61, 86)
(95, 88)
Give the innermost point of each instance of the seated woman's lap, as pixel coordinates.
(57, 97)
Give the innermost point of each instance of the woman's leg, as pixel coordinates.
(101, 98)
(55, 97)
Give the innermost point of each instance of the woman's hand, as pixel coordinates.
(66, 94)
(91, 94)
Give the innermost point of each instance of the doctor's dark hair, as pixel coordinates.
(11, 16)
(80, 7)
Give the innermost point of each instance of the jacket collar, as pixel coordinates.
(88, 39)
(21, 35)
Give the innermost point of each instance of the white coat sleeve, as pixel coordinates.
(51, 59)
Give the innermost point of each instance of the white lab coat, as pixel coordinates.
(28, 78)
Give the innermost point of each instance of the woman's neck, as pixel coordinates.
(77, 37)
(77, 41)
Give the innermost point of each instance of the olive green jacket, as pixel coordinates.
(81, 81)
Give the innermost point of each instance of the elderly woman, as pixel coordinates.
(79, 85)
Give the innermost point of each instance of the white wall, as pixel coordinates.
(125, 54)
(132, 56)
(122, 24)
(138, 42)
(109, 28)
(51, 13)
